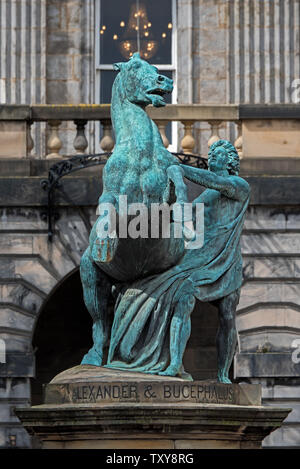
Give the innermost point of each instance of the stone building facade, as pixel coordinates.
(227, 52)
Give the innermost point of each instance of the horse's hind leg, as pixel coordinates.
(96, 293)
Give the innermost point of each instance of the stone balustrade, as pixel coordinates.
(261, 130)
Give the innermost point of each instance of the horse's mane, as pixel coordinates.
(117, 87)
(116, 96)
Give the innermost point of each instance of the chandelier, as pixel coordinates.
(138, 36)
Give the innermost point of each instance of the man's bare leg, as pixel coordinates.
(180, 331)
(227, 334)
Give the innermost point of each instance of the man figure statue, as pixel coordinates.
(226, 196)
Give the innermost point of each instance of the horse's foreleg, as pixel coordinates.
(176, 175)
(103, 237)
(96, 293)
(227, 334)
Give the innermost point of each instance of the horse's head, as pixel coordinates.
(142, 83)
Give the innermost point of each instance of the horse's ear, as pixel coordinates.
(136, 55)
(118, 66)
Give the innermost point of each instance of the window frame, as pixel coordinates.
(99, 67)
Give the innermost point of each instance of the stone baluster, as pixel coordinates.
(54, 143)
(80, 142)
(214, 125)
(188, 142)
(239, 140)
(29, 140)
(107, 142)
(162, 129)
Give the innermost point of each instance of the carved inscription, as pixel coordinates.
(104, 392)
(146, 392)
(203, 393)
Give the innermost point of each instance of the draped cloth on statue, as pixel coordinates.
(143, 311)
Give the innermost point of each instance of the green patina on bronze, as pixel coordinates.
(157, 281)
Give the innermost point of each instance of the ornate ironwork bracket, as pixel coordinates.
(78, 162)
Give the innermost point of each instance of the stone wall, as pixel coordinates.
(227, 52)
(30, 269)
(268, 317)
(23, 51)
(47, 56)
(236, 51)
(23, 57)
(70, 60)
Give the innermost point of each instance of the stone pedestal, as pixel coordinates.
(92, 407)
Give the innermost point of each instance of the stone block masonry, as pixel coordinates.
(70, 61)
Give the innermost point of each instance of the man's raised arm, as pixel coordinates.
(232, 187)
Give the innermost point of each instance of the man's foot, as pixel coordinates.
(172, 370)
(184, 374)
(92, 358)
(224, 379)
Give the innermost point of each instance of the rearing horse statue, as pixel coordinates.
(138, 169)
(159, 279)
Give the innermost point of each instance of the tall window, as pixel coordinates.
(126, 26)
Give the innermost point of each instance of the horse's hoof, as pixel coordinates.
(92, 358)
